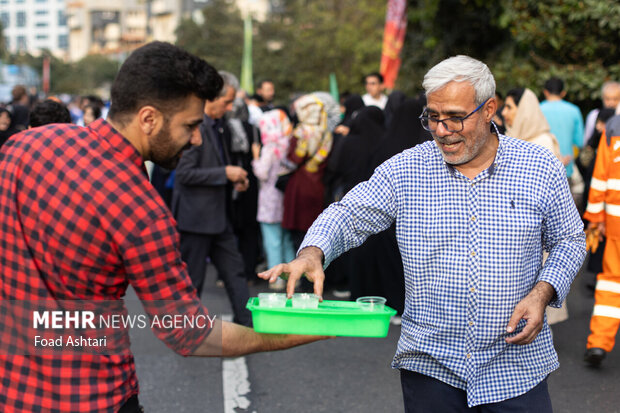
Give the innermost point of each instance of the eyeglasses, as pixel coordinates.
(453, 125)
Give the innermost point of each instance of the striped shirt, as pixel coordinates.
(471, 250)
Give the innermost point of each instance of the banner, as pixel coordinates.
(393, 39)
(46, 75)
(247, 82)
(333, 87)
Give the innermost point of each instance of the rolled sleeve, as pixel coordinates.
(563, 237)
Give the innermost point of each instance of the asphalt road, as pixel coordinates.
(345, 374)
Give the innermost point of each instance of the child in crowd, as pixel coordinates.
(275, 131)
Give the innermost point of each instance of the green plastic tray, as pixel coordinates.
(332, 318)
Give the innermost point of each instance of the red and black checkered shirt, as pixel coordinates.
(79, 220)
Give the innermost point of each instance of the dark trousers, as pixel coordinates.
(132, 405)
(423, 394)
(224, 253)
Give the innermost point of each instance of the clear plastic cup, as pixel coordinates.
(305, 300)
(371, 303)
(272, 300)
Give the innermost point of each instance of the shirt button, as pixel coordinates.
(473, 219)
(471, 323)
(473, 253)
(473, 290)
(468, 355)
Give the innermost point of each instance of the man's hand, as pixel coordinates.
(309, 262)
(236, 173)
(242, 186)
(532, 310)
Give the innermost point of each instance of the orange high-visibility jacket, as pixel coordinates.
(604, 197)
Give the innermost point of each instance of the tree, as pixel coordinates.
(219, 39)
(300, 45)
(577, 40)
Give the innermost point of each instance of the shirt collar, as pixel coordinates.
(500, 156)
(118, 142)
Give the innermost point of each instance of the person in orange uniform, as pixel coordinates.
(603, 213)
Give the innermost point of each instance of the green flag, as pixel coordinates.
(333, 87)
(247, 83)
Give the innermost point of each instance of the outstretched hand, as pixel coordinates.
(309, 263)
(532, 310)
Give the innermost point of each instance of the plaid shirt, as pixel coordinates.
(471, 250)
(80, 221)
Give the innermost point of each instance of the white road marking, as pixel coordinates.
(235, 381)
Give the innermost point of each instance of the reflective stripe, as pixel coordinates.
(598, 185)
(595, 208)
(613, 210)
(604, 285)
(612, 184)
(606, 311)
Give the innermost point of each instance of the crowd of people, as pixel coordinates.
(383, 189)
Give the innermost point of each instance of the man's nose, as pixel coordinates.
(196, 138)
(442, 130)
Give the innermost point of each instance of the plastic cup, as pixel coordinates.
(305, 300)
(272, 300)
(371, 303)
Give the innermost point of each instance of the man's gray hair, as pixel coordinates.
(610, 84)
(461, 69)
(230, 80)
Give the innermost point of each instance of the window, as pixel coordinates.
(41, 1)
(41, 12)
(20, 16)
(42, 36)
(63, 41)
(62, 18)
(41, 24)
(21, 43)
(5, 19)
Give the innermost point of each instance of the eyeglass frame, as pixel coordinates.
(454, 118)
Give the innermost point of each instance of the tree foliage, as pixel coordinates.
(219, 39)
(299, 44)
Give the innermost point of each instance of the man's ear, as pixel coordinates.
(150, 119)
(489, 109)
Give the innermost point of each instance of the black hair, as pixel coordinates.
(515, 94)
(161, 74)
(95, 108)
(555, 85)
(258, 98)
(373, 74)
(49, 111)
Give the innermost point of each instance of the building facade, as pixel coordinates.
(31, 26)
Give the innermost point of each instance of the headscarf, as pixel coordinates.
(314, 139)
(239, 139)
(352, 104)
(531, 125)
(529, 121)
(275, 132)
(354, 162)
(404, 132)
(5, 134)
(395, 100)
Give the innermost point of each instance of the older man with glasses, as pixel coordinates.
(474, 210)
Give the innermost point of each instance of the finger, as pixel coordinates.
(522, 337)
(517, 315)
(273, 273)
(318, 287)
(290, 285)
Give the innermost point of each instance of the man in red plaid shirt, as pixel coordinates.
(80, 221)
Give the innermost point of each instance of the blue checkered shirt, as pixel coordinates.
(471, 250)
